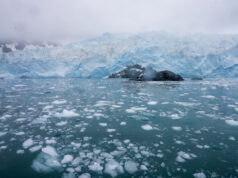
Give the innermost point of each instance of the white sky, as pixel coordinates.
(71, 20)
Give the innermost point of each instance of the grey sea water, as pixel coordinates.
(108, 128)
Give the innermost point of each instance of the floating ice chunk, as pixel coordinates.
(232, 122)
(67, 159)
(20, 119)
(85, 175)
(96, 167)
(19, 133)
(152, 103)
(182, 156)
(102, 103)
(20, 151)
(131, 166)
(46, 163)
(2, 133)
(135, 109)
(76, 161)
(26, 144)
(49, 150)
(111, 130)
(175, 116)
(232, 138)
(177, 128)
(186, 104)
(35, 148)
(143, 168)
(209, 97)
(59, 102)
(123, 123)
(40, 120)
(113, 168)
(69, 175)
(67, 113)
(146, 127)
(61, 123)
(199, 175)
(103, 124)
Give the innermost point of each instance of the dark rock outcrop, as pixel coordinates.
(137, 72)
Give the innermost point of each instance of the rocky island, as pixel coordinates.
(139, 73)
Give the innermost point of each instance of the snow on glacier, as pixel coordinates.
(189, 55)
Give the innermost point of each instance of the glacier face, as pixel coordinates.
(192, 55)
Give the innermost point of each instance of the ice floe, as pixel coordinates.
(147, 127)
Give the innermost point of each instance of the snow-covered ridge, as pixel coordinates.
(188, 55)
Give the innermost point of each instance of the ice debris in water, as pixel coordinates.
(199, 175)
(67, 113)
(26, 144)
(50, 151)
(46, 161)
(152, 103)
(85, 175)
(146, 127)
(59, 102)
(177, 128)
(3, 133)
(113, 168)
(96, 167)
(131, 166)
(67, 159)
(232, 122)
(182, 156)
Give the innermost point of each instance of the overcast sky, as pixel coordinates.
(64, 20)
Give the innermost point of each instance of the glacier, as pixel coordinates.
(190, 55)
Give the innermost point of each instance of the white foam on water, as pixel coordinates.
(67, 159)
(59, 101)
(96, 167)
(147, 127)
(29, 142)
(176, 128)
(131, 167)
(152, 102)
(67, 113)
(199, 175)
(113, 168)
(231, 122)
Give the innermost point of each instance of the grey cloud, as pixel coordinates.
(62, 20)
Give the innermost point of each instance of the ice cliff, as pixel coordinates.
(193, 55)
